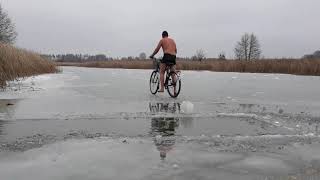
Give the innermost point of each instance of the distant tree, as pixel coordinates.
(100, 57)
(142, 56)
(7, 28)
(315, 55)
(199, 56)
(222, 56)
(248, 48)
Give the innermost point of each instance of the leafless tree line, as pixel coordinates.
(248, 48)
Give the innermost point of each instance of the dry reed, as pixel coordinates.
(18, 63)
(283, 66)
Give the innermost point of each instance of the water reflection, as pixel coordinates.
(163, 128)
(157, 107)
(1, 127)
(7, 108)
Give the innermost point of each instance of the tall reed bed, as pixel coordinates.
(283, 66)
(18, 63)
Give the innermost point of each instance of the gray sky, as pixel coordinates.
(285, 28)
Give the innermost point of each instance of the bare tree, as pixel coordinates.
(7, 28)
(248, 48)
(142, 56)
(315, 55)
(222, 56)
(254, 48)
(199, 56)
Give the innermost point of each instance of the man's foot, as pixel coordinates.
(161, 91)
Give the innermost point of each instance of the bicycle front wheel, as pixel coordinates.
(154, 82)
(174, 85)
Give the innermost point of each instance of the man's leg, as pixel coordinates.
(173, 68)
(174, 78)
(162, 71)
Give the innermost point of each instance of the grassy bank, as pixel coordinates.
(17, 63)
(284, 66)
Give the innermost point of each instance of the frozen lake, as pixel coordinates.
(104, 124)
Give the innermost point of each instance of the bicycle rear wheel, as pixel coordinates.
(154, 82)
(174, 85)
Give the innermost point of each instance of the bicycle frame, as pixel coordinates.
(167, 71)
(171, 79)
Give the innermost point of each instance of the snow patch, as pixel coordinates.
(242, 115)
(187, 107)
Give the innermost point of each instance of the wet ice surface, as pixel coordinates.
(99, 123)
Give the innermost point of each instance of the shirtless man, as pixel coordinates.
(169, 55)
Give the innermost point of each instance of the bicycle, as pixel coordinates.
(172, 81)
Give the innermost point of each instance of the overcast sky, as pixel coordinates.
(285, 28)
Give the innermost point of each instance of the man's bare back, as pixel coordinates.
(168, 46)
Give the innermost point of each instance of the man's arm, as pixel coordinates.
(157, 49)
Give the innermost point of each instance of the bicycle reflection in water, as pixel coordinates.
(163, 129)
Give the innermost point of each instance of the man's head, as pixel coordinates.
(165, 34)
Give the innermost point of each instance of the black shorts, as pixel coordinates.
(169, 59)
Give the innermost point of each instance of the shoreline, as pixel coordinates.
(283, 66)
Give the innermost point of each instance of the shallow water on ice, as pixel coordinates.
(98, 123)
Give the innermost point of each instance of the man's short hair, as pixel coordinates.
(165, 34)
